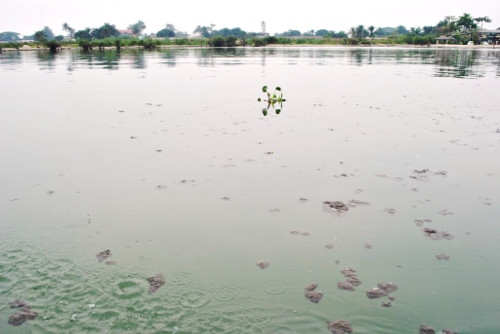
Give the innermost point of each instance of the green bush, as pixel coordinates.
(230, 41)
(149, 43)
(350, 41)
(258, 42)
(12, 45)
(284, 40)
(217, 42)
(53, 45)
(85, 44)
(181, 41)
(270, 40)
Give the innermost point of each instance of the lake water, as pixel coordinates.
(166, 159)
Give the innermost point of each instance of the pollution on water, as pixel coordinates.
(148, 192)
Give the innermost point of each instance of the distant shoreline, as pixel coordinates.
(277, 46)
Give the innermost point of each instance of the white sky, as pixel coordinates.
(28, 16)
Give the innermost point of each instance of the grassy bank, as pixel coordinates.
(229, 41)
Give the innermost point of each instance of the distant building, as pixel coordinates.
(445, 39)
(490, 36)
(126, 32)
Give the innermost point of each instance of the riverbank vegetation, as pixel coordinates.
(458, 30)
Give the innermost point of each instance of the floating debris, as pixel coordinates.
(314, 296)
(386, 304)
(133, 137)
(19, 303)
(349, 272)
(18, 318)
(345, 286)
(337, 205)
(390, 211)
(262, 264)
(437, 235)
(368, 246)
(375, 293)
(340, 327)
(387, 287)
(156, 282)
(225, 198)
(351, 281)
(442, 256)
(161, 187)
(275, 210)
(121, 110)
(303, 200)
(103, 255)
(311, 287)
(354, 281)
(329, 246)
(424, 329)
(445, 212)
(355, 202)
(422, 171)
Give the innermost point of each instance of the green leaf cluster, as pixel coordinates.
(274, 100)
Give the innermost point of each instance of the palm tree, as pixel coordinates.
(360, 31)
(371, 29)
(70, 30)
(482, 19)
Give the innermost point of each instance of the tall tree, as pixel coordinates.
(205, 31)
(353, 32)
(48, 32)
(371, 29)
(105, 31)
(165, 33)
(68, 29)
(427, 30)
(466, 22)
(83, 34)
(401, 30)
(137, 28)
(40, 36)
(361, 32)
(9, 36)
(482, 19)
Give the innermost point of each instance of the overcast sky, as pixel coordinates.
(28, 16)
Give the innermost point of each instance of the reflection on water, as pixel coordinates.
(458, 63)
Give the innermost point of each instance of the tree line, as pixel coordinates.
(463, 29)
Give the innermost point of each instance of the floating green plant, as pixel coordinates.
(274, 100)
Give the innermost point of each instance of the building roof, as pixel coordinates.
(125, 31)
(445, 38)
